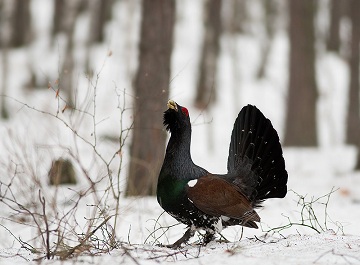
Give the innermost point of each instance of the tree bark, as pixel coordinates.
(302, 96)
(270, 16)
(71, 9)
(20, 23)
(4, 113)
(100, 12)
(151, 89)
(58, 24)
(353, 118)
(208, 65)
(337, 9)
(235, 17)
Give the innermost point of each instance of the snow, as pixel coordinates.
(322, 182)
(298, 247)
(325, 248)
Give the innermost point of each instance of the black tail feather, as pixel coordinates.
(255, 161)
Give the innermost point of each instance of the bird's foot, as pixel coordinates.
(222, 239)
(208, 237)
(184, 239)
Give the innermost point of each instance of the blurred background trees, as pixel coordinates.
(312, 28)
(301, 128)
(206, 87)
(151, 89)
(353, 114)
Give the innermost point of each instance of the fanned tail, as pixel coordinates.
(256, 164)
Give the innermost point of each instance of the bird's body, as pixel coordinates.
(201, 200)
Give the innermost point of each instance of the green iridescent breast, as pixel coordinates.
(170, 191)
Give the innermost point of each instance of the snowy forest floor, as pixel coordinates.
(287, 234)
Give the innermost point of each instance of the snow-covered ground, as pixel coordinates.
(320, 179)
(296, 245)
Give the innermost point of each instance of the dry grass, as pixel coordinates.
(54, 216)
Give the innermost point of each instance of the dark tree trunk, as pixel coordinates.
(58, 17)
(337, 9)
(271, 14)
(302, 96)
(4, 113)
(152, 91)
(20, 23)
(72, 9)
(208, 65)
(235, 17)
(100, 12)
(5, 29)
(353, 118)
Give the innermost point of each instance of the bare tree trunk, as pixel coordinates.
(151, 89)
(353, 118)
(58, 17)
(234, 17)
(72, 9)
(4, 83)
(2, 22)
(301, 114)
(208, 66)
(20, 23)
(337, 10)
(5, 30)
(100, 11)
(235, 22)
(271, 14)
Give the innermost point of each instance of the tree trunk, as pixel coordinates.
(72, 9)
(302, 96)
(100, 12)
(208, 66)
(20, 23)
(58, 23)
(336, 12)
(235, 19)
(353, 118)
(271, 14)
(151, 89)
(4, 113)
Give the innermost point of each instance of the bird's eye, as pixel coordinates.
(185, 111)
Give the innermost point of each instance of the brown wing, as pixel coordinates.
(215, 196)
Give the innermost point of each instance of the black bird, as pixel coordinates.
(202, 200)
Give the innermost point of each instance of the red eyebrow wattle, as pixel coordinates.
(185, 111)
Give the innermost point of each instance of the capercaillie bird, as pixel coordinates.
(202, 200)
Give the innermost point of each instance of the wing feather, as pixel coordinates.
(215, 196)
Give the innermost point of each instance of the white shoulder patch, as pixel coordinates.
(192, 183)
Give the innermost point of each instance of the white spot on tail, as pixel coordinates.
(192, 183)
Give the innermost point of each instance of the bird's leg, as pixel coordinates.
(208, 237)
(222, 239)
(185, 238)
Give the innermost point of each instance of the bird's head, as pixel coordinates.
(176, 117)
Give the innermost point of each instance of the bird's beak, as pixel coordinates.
(172, 105)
